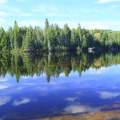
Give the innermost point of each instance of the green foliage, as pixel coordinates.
(27, 40)
(53, 38)
(16, 35)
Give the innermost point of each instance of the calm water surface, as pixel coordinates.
(32, 88)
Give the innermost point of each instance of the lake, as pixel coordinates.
(40, 86)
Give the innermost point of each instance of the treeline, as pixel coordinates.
(53, 38)
(53, 64)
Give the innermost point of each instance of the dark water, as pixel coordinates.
(38, 86)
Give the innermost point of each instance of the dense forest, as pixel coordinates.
(53, 38)
(53, 64)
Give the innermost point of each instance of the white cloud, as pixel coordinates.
(107, 1)
(3, 2)
(3, 87)
(80, 109)
(47, 10)
(3, 14)
(14, 12)
(31, 23)
(71, 99)
(108, 95)
(2, 21)
(4, 100)
(25, 14)
(21, 101)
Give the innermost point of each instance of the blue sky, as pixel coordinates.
(103, 14)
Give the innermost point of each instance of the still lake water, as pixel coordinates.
(36, 87)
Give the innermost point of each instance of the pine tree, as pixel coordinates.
(15, 34)
(27, 40)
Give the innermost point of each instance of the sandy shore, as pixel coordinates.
(91, 116)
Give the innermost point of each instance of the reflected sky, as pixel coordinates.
(33, 97)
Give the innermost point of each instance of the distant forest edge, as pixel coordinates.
(53, 38)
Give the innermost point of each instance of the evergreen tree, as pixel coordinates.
(27, 40)
(15, 34)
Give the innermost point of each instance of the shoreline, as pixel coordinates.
(112, 115)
